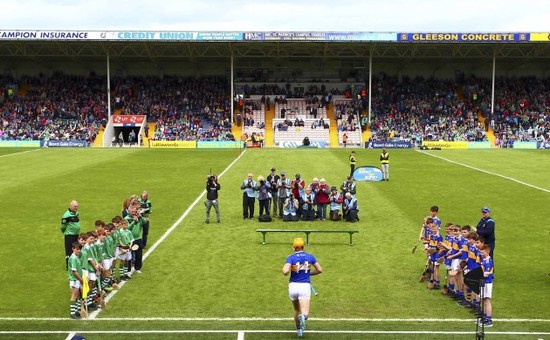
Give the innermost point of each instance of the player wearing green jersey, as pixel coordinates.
(107, 264)
(75, 279)
(70, 227)
(135, 225)
(124, 253)
(90, 267)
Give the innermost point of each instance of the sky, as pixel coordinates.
(279, 15)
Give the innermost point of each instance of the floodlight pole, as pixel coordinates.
(108, 88)
(493, 85)
(232, 98)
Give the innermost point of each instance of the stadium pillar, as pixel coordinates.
(370, 83)
(232, 90)
(108, 88)
(493, 84)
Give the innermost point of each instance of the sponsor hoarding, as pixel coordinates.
(368, 173)
(220, 145)
(525, 145)
(173, 144)
(73, 143)
(436, 37)
(19, 143)
(312, 144)
(479, 145)
(445, 145)
(388, 145)
(128, 120)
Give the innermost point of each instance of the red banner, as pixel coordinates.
(128, 120)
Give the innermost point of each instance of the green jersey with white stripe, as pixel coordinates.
(126, 237)
(109, 245)
(74, 265)
(85, 256)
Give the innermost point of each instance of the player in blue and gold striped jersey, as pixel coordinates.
(299, 288)
(488, 274)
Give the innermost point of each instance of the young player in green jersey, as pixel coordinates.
(90, 267)
(125, 254)
(107, 263)
(75, 279)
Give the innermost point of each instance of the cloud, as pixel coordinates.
(284, 15)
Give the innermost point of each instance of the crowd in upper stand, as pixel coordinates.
(64, 107)
(58, 107)
(522, 108)
(430, 109)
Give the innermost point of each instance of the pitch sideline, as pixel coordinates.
(18, 153)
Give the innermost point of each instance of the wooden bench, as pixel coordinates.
(307, 232)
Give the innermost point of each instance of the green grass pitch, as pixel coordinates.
(212, 279)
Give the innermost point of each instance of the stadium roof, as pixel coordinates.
(392, 47)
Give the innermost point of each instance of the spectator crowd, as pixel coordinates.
(66, 107)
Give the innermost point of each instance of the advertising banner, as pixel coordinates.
(388, 145)
(73, 143)
(543, 145)
(479, 145)
(19, 143)
(445, 145)
(436, 37)
(525, 145)
(318, 36)
(220, 145)
(178, 144)
(368, 173)
(312, 144)
(119, 35)
(128, 120)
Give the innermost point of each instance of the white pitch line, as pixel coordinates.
(252, 319)
(485, 171)
(180, 331)
(18, 153)
(94, 314)
(240, 335)
(70, 336)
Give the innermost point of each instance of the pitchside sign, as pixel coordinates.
(368, 174)
(128, 120)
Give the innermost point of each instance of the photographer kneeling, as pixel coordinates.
(350, 208)
(212, 187)
(290, 209)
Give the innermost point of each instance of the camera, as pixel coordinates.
(262, 182)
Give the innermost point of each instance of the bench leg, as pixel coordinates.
(263, 235)
(307, 238)
(350, 239)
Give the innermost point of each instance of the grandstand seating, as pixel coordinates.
(67, 107)
(299, 107)
(297, 134)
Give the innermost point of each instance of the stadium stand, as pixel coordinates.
(64, 107)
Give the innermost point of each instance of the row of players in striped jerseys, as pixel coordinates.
(91, 266)
(292, 200)
(461, 251)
